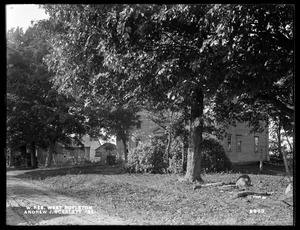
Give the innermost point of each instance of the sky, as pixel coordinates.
(22, 14)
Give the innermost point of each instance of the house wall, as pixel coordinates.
(92, 144)
(247, 153)
(76, 155)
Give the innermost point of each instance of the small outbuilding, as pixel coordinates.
(102, 151)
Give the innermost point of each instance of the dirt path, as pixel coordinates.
(30, 204)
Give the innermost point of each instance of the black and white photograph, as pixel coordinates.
(150, 114)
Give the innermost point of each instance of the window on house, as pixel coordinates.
(229, 142)
(256, 139)
(238, 143)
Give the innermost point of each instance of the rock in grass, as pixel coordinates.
(196, 186)
(243, 181)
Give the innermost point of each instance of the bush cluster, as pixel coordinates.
(111, 159)
(22, 161)
(214, 158)
(175, 161)
(147, 157)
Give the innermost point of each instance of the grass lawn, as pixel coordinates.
(163, 200)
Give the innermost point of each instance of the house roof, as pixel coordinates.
(105, 145)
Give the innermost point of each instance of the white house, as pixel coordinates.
(90, 147)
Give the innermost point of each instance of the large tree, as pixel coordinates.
(143, 61)
(24, 81)
(105, 118)
(181, 54)
(36, 114)
(260, 61)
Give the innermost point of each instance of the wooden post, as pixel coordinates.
(184, 151)
(261, 161)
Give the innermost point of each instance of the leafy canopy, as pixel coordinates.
(170, 53)
(35, 111)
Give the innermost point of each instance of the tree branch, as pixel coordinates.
(278, 104)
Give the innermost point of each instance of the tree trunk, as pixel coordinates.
(294, 164)
(24, 156)
(33, 156)
(291, 149)
(279, 140)
(185, 146)
(169, 139)
(125, 150)
(289, 143)
(195, 139)
(282, 153)
(194, 153)
(286, 166)
(11, 158)
(49, 158)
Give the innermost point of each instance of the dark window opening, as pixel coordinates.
(229, 142)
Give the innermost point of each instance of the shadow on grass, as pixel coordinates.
(9, 169)
(41, 174)
(268, 169)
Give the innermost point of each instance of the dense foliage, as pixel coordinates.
(214, 158)
(175, 161)
(179, 46)
(185, 55)
(147, 157)
(105, 118)
(37, 115)
(150, 157)
(111, 159)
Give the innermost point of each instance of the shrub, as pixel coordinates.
(214, 158)
(119, 161)
(17, 161)
(175, 162)
(86, 161)
(275, 159)
(147, 157)
(22, 161)
(111, 159)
